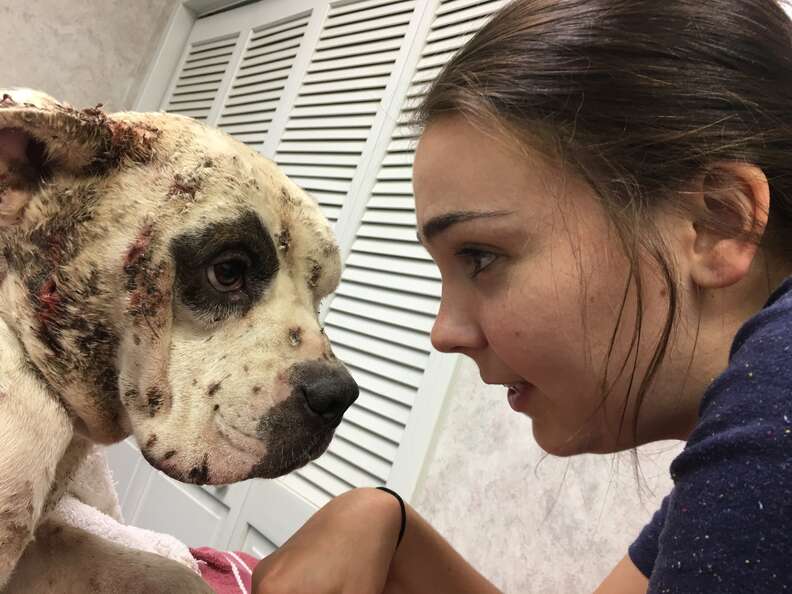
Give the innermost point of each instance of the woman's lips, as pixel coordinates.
(518, 396)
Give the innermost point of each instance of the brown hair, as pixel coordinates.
(639, 97)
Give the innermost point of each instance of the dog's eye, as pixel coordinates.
(227, 272)
(224, 269)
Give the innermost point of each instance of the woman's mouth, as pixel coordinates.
(518, 396)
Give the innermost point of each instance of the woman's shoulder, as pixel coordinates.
(750, 403)
(727, 525)
(768, 330)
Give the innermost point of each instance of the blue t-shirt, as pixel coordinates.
(726, 527)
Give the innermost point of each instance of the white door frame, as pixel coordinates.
(170, 48)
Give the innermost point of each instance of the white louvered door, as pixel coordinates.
(203, 71)
(333, 125)
(260, 81)
(327, 89)
(390, 288)
(332, 118)
(241, 67)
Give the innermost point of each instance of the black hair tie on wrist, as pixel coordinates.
(403, 513)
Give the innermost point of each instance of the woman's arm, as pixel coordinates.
(347, 547)
(625, 578)
(425, 562)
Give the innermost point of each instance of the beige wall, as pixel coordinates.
(84, 52)
(552, 528)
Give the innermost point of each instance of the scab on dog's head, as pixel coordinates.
(165, 280)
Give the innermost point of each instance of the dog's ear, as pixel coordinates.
(13, 152)
(41, 138)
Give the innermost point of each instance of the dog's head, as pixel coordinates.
(165, 279)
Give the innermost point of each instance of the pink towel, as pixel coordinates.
(227, 572)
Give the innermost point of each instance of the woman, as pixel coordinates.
(606, 187)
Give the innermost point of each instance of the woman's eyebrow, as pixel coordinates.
(440, 223)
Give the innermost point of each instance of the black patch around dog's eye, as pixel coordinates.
(224, 269)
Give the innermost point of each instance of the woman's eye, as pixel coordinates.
(227, 272)
(477, 260)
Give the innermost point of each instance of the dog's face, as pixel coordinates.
(165, 281)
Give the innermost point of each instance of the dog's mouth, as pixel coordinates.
(277, 454)
(279, 462)
(238, 439)
(239, 456)
(284, 439)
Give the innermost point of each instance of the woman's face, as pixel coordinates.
(533, 279)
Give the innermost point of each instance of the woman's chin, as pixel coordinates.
(559, 443)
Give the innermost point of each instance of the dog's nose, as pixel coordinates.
(327, 388)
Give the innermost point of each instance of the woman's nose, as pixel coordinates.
(455, 330)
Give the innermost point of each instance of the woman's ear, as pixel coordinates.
(734, 202)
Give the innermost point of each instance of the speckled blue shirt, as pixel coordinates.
(726, 527)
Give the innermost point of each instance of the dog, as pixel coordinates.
(158, 279)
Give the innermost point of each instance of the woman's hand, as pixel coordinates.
(345, 548)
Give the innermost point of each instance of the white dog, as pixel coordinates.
(156, 278)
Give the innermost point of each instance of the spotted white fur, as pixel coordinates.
(112, 321)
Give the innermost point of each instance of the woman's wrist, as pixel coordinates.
(402, 509)
(356, 531)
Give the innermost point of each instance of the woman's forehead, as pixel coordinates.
(459, 167)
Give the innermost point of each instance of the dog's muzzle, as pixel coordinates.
(327, 389)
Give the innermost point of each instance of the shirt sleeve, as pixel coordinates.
(728, 522)
(643, 551)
